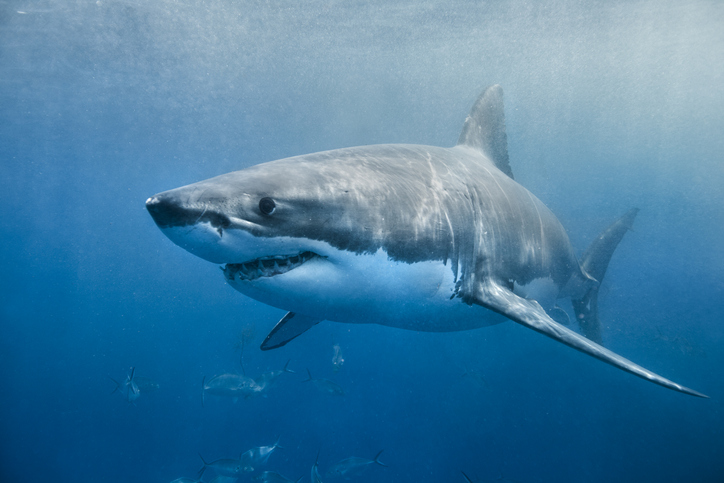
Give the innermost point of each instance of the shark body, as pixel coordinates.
(409, 236)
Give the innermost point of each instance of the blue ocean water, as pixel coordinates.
(609, 105)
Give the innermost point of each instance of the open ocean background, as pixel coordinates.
(609, 105)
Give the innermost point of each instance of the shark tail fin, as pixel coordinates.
(594, 263)
(286, 367)
(310, 376)
(377, 459)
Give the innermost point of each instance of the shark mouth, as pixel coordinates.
(265, 266)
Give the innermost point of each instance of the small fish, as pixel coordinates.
(325, 385)
(269, 379)
(230, 385)
(129, 388)
(315, 471)
(337, 358)
(352, 466)
(259, 455)
(185, 480)
(274, 477)
(224, 467)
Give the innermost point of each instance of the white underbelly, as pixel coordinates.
(373, 289)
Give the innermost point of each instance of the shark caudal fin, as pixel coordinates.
(594, 263)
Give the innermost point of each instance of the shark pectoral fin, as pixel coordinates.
(291, 326)
(530, 314)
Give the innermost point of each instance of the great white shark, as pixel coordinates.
(409, 236)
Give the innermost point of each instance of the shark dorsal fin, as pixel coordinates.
(484, 128)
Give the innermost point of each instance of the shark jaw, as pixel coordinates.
(269, 266)
(247, 260)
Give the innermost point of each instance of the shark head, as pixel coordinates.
(258, 214)
(310, 230)
(257, 222)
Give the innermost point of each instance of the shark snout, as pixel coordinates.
(168, 211)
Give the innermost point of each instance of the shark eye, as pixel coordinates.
(267, 205)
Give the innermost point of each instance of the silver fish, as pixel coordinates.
(269, 379)
(337, 358)
(259, 455)
(129, 388)
(325, 385)
(274, 477)
(352, 466)
(224, 467)
(230, 385)
(185, 480)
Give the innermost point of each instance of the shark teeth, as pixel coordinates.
(265, 266)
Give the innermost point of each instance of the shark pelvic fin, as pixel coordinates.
(530, 314)
(484, 128)
(291, 326)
